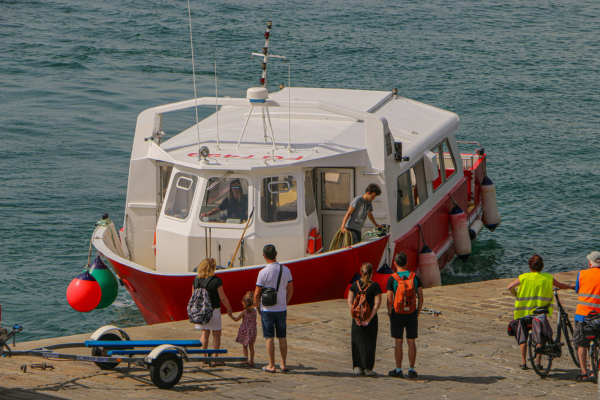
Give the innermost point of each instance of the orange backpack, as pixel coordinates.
(361, 310)
(404, 298)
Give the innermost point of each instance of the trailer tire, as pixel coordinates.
(166, 370)
(101, 352)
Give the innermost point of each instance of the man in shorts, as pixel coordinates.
(274, 317)
(360, 208)
(401, 322)
(588, 287)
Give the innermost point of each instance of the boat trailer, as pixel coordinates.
(111, 346)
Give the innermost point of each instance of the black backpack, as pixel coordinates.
(200, 309)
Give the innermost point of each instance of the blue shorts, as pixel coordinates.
(274, 321)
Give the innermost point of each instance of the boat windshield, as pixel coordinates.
(226, 202)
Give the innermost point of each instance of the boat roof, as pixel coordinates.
(326, 128)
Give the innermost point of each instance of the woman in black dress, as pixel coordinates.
(364, 336)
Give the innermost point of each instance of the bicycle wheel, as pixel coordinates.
(543, 368)
(594, 357)
(567, 329)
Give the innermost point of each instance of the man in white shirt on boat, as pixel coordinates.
(360, 208)
(274, 317)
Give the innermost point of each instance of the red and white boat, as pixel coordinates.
(300, 155)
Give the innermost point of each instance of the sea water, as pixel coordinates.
(523, 77)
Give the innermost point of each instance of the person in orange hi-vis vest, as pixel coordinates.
(588, 287)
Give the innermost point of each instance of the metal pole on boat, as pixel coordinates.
(217, 106)
(242, 238)
(289, 106)
(206, 242)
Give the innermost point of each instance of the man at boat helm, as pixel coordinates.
(359, 210)
(588, 287)
(535, 290)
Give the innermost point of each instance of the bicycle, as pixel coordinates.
(553, 347)
(591, 330)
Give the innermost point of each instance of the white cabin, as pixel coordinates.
(341, 141)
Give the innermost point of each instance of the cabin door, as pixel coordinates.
(335, 191)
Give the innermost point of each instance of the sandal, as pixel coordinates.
(286, 369)
(523, 366)
(264, 369)
(582, 378)
(217, 364)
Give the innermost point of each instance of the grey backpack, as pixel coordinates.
(199, 307)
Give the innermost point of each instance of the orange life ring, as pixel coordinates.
(315, 244)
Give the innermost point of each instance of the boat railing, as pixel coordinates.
(469, 159)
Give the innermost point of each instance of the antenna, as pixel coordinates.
(289, 106)
(216, 106)
(265, 55)
(194, 77)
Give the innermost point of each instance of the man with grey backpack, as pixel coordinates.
(274, 289)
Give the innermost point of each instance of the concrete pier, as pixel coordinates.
(464, 353)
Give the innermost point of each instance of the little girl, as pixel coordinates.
(247, 332)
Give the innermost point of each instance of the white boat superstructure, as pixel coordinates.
(342, 140)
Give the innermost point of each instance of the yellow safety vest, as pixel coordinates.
(535, 290)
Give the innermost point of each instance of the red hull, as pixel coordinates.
(164, 298)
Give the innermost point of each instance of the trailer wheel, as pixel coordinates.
(166, 370)
(101, 352)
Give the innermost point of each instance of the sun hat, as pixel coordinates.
(594, 257)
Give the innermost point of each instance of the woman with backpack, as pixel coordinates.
(214, 286)
(364, 300)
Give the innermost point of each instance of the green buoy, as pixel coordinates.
(106, 280)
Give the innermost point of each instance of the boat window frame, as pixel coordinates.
(206, 178)
(259, 194)
(308, 191)
(420, 183)
(175, 185)
(438, 149)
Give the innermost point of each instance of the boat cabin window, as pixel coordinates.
(412, 190)
(309, 197)
(225, 201)
(279, 199)
(335, 191)
(446, 163)
(181, 195)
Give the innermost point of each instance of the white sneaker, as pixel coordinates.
(370, 372)
(360, 371)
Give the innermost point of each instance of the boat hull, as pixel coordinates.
(163, 298)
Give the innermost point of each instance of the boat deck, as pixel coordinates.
(464, 353)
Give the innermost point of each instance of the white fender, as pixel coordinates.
(160, 349)
(491, 216)
(429, 270)
(475, 228)
(460, 233)
(107, 328)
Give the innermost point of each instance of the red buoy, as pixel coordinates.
(84, 293)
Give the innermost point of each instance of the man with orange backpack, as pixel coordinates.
(403, 290)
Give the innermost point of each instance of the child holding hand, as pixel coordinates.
(247, 331)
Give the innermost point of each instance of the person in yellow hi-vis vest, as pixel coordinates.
(535, 289)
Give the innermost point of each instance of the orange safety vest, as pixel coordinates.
(589, 291)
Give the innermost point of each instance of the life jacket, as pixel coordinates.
(535, 290)
(315, 244)
(589, 291)
(404, 298)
